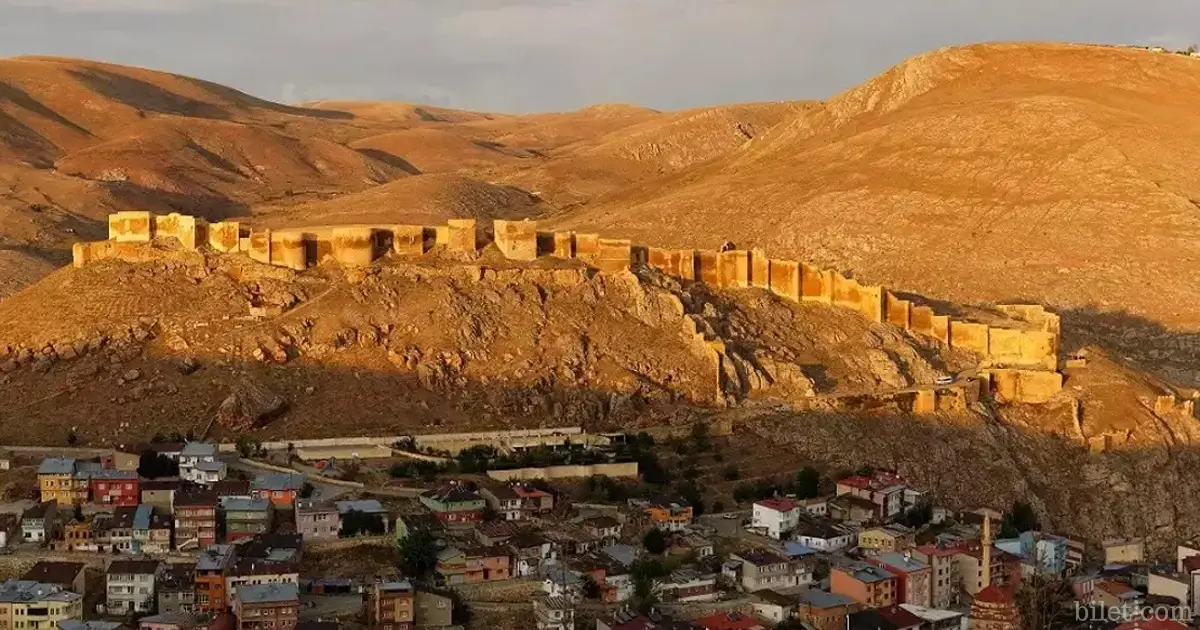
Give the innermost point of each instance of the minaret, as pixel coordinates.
(986, 543)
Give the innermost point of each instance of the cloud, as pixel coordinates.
(523, 55)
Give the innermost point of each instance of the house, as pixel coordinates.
(259, 572)
(195, 520)
(534, 501)
(432, 610)
(629, 620)
(762, 569)
(37, 605)
(687, 586)
(151, 530)
(693, 545)
(606, 528)
(232, 489)
(1040, 554)
(553, 613)
(168, 621)
(454, 505)
(198, 464)
(816, 506)
(465, 564)
(130, 586)
(490, 533)
(1169, 584)
(504, 501)
(529, 551)
(882, 619)
(58, 481)
(40, 522)
(887, 538)
(945, 569)
(557, 581)
(914, 579)
(120, 529)
(176, 589)
(778, 517)
(1123, 551)
(1118, 597)
(213, 565)
(267, 606)
(362, 517)
(936, 618)
(773, 606)
(10, 529)
(885, 490)
(853, 510)
(245, 519)
(276, 547)
(68, 576)
(865, 583)
(280, 488)
(623, 555)
(115, 487)
(76, 536)
(390, 605)
(824, 535)
(76, 624)
(823, 610)
(159, 493)
(572, 540)
(317, 522)
(669, 514)
(729, 621)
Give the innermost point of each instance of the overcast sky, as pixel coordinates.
(537, 55)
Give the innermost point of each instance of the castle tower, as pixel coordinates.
(994, 607)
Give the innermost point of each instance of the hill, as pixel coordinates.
(978, 174)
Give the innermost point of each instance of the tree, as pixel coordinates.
(418, 553)
(460, 612)
(246, 447)
(918, 515)
(72, 439)
(718, 507)
(355, 523)
(78, 515)
(732, 473)
(475, 459)
(591, 589)
(307, 490)
(1046, 603)
(1019, 518)
(791, 623)
(655, 542)
(153, 465)
(808, 483)
(691, 493)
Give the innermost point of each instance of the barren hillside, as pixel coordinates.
(994, 172)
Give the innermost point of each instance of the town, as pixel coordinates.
(188, 535)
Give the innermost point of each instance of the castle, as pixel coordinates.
(1019, 359)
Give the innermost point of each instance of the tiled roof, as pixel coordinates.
(779, 505)
(198, 449)
(823, 599)
(61, 573)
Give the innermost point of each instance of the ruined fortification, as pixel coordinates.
(1018, 360)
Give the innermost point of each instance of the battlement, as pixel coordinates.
(1019, 363)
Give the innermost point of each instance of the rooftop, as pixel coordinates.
(23, 591)
(729, 621)
(268, 593)
(866, 573)
(900, 617)
(778, 505)
(132, 567)
(198, 449)
(60, 573)
(877, 482)
(180, 619)
(278, 482)
(761, 557)
(57, 466)
(900, 562)
(369, 506)
(143, 516)
(75, 624)
(214, 557)
(822, 599)
(238, 504)
(39, 510)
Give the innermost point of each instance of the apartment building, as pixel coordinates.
(390, 605)
(267, 606)
(869, 585)
(195, 520)
(130, 586)
(37, 605)
(246, 518)
(317, 521)
(764, 569)
(213, 565)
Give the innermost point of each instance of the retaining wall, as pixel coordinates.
(624, 469)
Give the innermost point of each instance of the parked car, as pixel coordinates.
(944, 380)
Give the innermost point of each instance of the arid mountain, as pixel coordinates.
(994, 172)
(80, 139)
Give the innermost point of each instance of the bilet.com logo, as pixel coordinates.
(1120, 614)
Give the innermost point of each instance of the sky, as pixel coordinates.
(557, 55)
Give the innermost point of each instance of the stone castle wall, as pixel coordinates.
(1019, 363)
